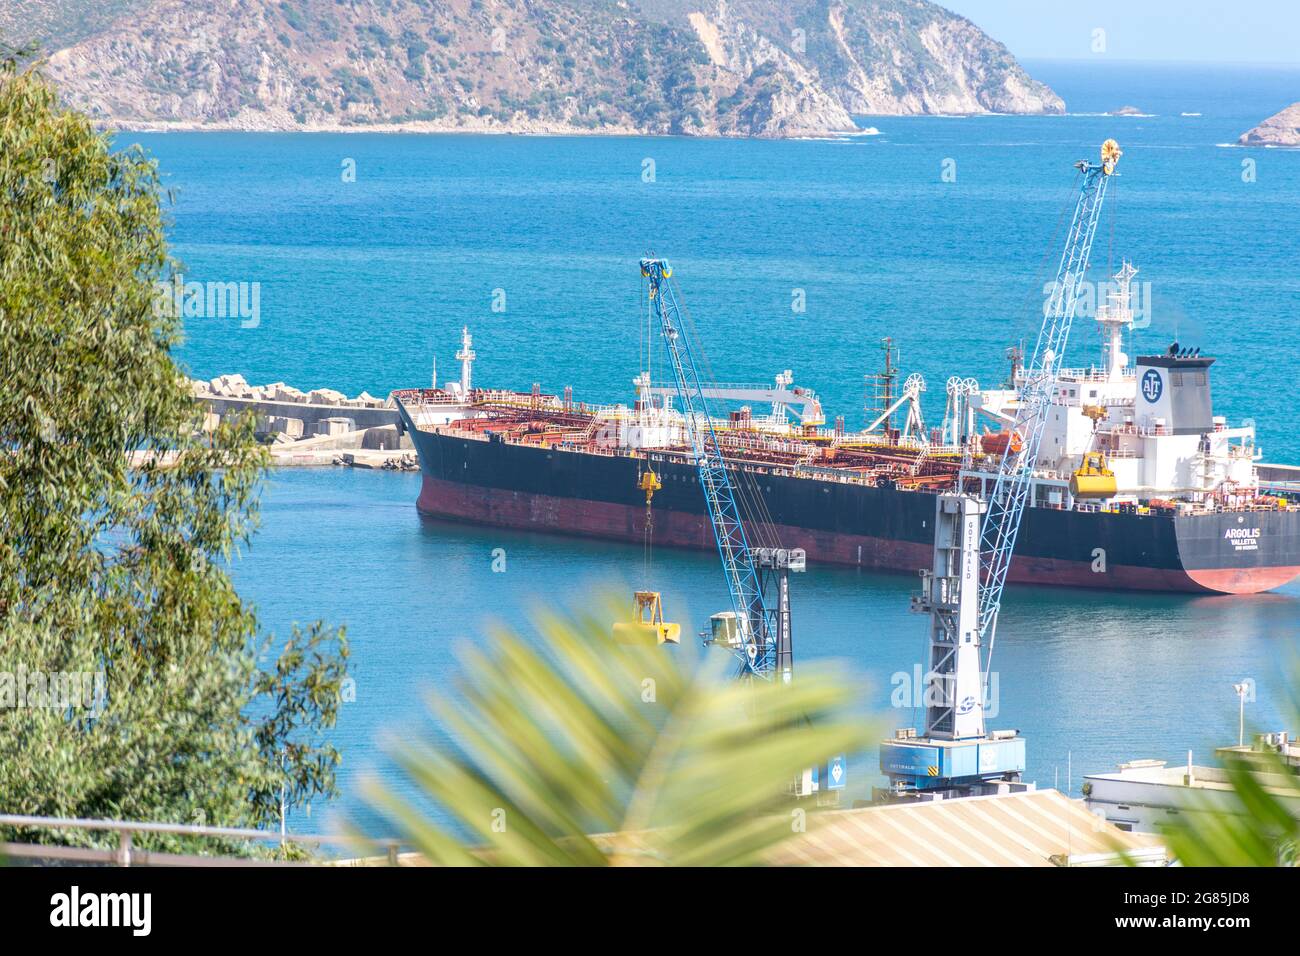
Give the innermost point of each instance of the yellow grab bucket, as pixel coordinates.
(648, 624)
(1093, 479)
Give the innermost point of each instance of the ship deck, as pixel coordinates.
(536, 419)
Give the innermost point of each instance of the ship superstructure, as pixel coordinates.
(1152, 422)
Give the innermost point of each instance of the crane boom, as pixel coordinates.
(758, 646)
(1006, 505)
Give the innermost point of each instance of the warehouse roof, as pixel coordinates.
(1033, 828)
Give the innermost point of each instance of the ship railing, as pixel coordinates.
(1240, 507)
(1213, 505)
(1142, 431)
(879, 440)
(1119, 453)
(846, 476)
(509, 399)
(1090, 374)
(828, 474)
(426, 396)
(739, 387)
(768, 442)
(1078, 401)
(674, 417)
(938, 450)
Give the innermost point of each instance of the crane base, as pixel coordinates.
(929, 764)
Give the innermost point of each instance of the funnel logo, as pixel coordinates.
(1152, 385)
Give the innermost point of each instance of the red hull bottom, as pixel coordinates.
(595, 519)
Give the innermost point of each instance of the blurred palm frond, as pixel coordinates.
(578, 750)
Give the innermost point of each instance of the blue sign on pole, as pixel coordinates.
(836, 773)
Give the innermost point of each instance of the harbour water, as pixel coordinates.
(363, 282)
(1090, 678)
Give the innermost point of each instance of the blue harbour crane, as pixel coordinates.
(757, 577)
(974, 541)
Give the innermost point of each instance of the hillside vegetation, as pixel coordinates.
(764, 68)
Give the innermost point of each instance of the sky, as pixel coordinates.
(1205, 31)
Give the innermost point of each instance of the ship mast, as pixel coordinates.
(1114, 317)
(466, 357)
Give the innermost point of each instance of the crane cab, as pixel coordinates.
(647, 622)
(726, 630)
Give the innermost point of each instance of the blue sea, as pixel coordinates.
(365, 283)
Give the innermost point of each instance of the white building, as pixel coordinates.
(1142, 795)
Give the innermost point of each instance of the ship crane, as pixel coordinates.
(914, 425)
(784, 397)
(973, 544)
(762, 638)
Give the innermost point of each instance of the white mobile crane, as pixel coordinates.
(974, 540)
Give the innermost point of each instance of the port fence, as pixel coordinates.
(126, 853)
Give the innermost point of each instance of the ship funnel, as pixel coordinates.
(1173, 391)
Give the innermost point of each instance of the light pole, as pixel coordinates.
(1242, 689)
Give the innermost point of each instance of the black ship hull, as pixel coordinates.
(539, 488)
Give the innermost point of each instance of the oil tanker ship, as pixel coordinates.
(1140, 486)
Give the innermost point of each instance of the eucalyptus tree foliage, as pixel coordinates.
(573, 749)
(112, 572)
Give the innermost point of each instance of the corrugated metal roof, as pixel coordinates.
(1022, 829)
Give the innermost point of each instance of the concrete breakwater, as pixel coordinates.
(318, 427)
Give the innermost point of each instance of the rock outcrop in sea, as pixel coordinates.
(1280, 129)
